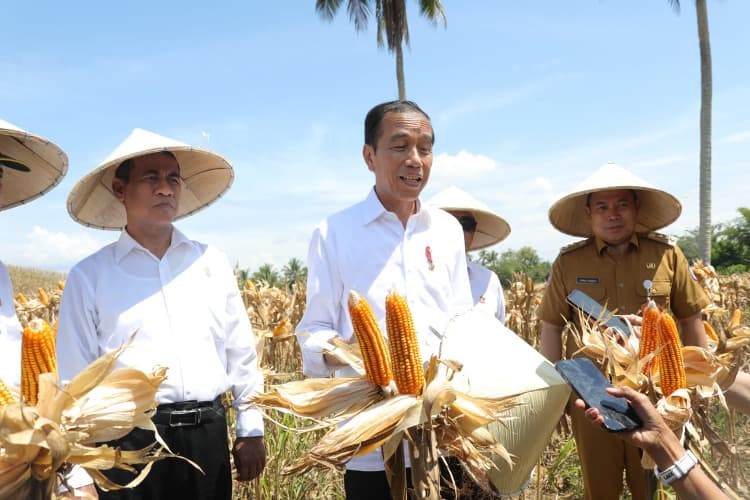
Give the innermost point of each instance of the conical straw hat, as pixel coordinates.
(491, 228)
(31, 165)
(657, 208)
(205, 175)
(497, 363)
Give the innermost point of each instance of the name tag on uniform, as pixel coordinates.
(588, 281)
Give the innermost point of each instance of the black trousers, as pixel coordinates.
(365, 485)
(171, 478)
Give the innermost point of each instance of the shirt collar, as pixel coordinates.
(126, 243)
(372, 208)
(601, 245)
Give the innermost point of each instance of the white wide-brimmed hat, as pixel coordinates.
(657, 208)
(32, 165)
(205, 175)
(491, 228)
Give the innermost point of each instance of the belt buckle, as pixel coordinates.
(181, 413)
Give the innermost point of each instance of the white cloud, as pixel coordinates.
(54, 250)
(735, 138)
(462, 165)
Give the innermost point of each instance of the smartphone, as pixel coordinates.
(594, 310)
(591, 384)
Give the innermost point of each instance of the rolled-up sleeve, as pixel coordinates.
(243, 371)
(316, 328)
(77, 340)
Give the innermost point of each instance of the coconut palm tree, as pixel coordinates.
(704, 42)
(267, 273)
(390, 16)
(294, 272)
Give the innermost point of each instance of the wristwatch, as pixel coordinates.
(679, 469)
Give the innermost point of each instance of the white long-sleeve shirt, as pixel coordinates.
(486, 290)
(186, 309)
(10, 333)
(367, 249)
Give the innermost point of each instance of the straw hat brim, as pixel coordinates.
(205, 175)
(47, 164)
(491, 228)
(657, 208)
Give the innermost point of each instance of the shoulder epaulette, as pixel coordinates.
(575, 246)
(661, 238)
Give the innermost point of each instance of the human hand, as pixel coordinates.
(650, 434)
(88, 491)
(249, 457)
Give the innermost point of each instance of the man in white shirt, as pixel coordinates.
(482, 228)
(389, 241)
(181, 300)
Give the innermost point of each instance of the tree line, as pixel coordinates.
(730, 253)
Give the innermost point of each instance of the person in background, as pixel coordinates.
(675, 467)
(389, 241)
(180, 297)
(30, 166)
(482, 228)
(621, 264)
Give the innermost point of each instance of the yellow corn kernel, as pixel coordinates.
(5, 396)
(37, 357)
(61, 285)
(671, 365)
(21, 298)
(408, 372)
(736, 318)
(370, 339)
(649, 335)
(43, 297)
(710, 332)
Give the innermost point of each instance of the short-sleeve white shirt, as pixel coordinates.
(486, 290)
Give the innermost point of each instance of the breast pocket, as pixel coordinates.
(660, 292)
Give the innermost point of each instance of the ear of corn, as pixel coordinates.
(736, 318)
(671, 365)
(408, 372)
(5, 396)
(37, 357)
(43, 297)
(649, 335)
(710, 332)
(22, 298)
(370, 339)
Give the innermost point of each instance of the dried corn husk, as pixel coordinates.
(99, 404)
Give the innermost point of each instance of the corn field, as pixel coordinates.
(273, 312)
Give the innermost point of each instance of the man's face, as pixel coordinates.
(613, 215)
(152, 195)
(402, 159)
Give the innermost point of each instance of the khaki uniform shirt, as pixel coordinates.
(617, 281)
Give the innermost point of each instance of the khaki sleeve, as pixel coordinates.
(554, 308)
(688, 296)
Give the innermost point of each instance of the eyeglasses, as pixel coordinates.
(468, 223)
(8, 162)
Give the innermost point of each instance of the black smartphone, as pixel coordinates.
(591, 384)
(594, 310)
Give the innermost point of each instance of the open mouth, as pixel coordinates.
(413, 180)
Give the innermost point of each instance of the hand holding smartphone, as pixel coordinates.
(590, 384)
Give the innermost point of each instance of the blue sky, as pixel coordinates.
(527, 98)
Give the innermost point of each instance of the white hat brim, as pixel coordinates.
(47, 164)
(205, 175)
(657, 208)
(491, 228)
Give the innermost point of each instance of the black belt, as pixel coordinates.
(188, 413)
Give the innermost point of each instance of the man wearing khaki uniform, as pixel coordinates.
(620, 264)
